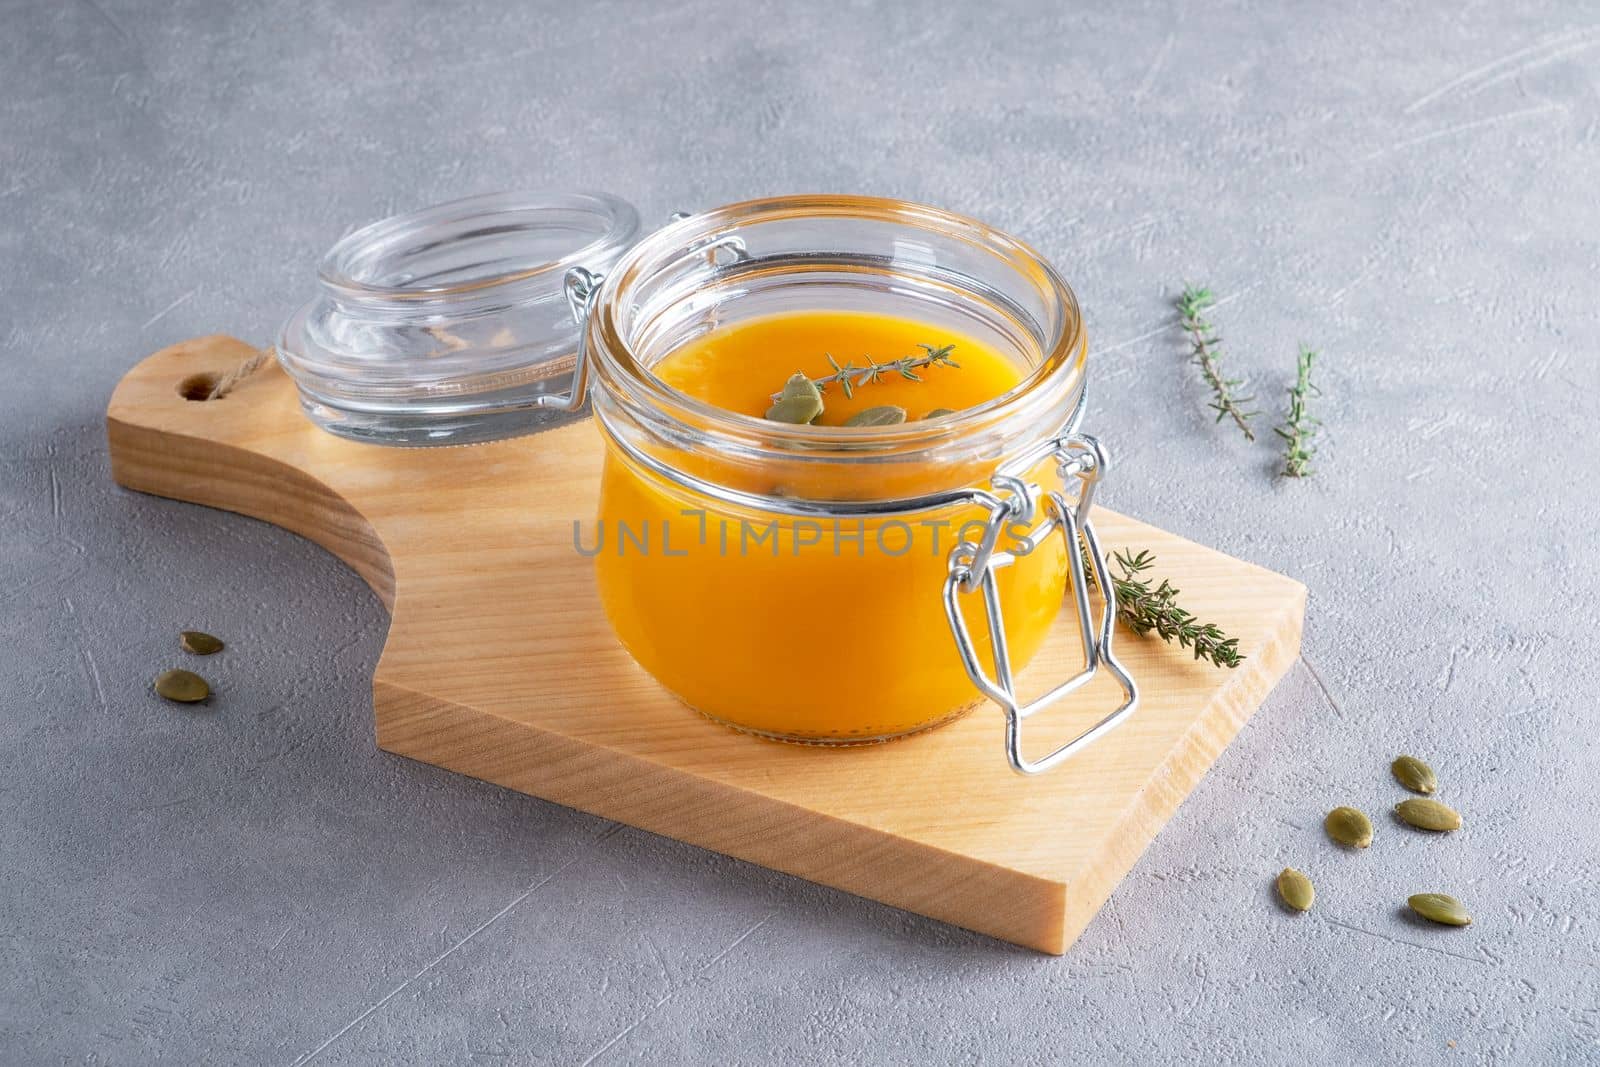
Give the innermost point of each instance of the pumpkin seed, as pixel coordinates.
(1348, 827)
(1440, 908)
(799, 403)
(1414, 774)
(937, 413)
(198, 642)
(1295, 889)
(1428, 815)
(185, 687)
(882, 415)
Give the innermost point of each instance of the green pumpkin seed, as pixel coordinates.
(185, 687)
(1440, 908)
(1295, 889)
(198, 642)
(882, 415)
(938, 413)
(1348, 827)
(799, 403)
(1428, 815)
(1414, 774)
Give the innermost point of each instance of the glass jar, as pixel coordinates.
(447, 326)
(840, 585)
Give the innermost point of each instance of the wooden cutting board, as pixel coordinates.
(500, 664)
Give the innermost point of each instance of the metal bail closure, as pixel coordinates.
(582, 288)
(972, 569)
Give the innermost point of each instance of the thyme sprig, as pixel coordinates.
(1299, 427)
(1145, 610)
(1206, 348)
(850, 377)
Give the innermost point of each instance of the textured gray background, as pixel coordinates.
(1411, 187)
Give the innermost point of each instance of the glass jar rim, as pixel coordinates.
(1061, 368)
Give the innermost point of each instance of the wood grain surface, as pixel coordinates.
(499, 664)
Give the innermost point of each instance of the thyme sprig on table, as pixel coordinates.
(1299, 427)
(850, 377)
(1145, 610)
(1207, 355)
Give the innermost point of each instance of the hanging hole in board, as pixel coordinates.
(198, 386)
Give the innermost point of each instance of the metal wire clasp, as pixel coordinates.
(972, 568)
(583, 286)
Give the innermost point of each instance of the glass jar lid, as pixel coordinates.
(446, 325)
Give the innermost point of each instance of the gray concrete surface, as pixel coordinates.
(1410, 187)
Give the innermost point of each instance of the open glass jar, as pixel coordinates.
(836, 585)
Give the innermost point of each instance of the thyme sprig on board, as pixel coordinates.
(850, 377)
(1299, 427)
(1205, 346)
(1147, 610)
